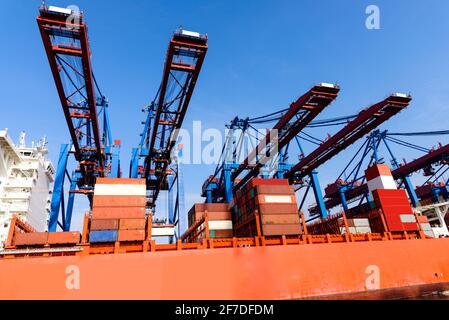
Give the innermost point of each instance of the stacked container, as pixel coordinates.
(425, 226)
(355, 226)
(219, 216)
(274, 201)
(394, 203)
(118, 211)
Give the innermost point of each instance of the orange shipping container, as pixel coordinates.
(131, 235)
(103, 224)
(120, 181)
(119, 201)
(118, 212)
(280, 219)
(132, 224)
(63, 237)
(281, 229)
(278, 208)
(275, 189)
(30, 239)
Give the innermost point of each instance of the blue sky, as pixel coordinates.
(262, 55)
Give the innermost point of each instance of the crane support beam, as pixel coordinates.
(298, 116)
(185, 56)
(367, 120)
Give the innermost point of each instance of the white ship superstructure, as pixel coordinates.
(25, 178)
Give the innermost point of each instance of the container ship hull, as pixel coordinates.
(365, 270)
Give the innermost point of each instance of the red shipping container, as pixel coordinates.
(131, 235)
(119, 201)
(422, 219)
(64, 237)
(274, 189)
(118, 212)
(394, 218)
(132, 224)
(103, 224)
(120, 181)
(30, 239)
(216, 207)
(395, 226)
(389, 193)
(397, 210)
(377, 170)
(281, 229)
(278, 208)
(279, 219)
(272, 182)
(410, 226)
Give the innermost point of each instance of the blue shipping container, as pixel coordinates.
(103, 236)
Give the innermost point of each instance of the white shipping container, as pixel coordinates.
(60, 10)
(220, 225)
(361, 222)
(407, 218)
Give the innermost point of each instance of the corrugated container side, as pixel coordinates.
(118, 212)
(30, 239)
(119, 201)
(278, 208)
(64, 237)
(120, 181)
(132, 224)
(131, 235)
(281, 229)
(103, 236)
(280, 219)
(103, 224)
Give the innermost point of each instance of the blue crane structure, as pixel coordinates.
(350, 184)
(85, 109)
(230, 175)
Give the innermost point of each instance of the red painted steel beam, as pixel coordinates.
(164, 131)
(366, 121)
(307, 107)
(57, 25)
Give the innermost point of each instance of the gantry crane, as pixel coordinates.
(401, 171)
(64, 35)
(296, 117)
(151, 159)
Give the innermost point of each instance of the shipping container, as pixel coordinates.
(63, 237)
(120, 181)
(280, 219)
(103, 236)
(278, 208)
(281, 229)
(131, 235)
(104, 224)
(118, 212)
(30, 239)
(119, 201)
(132, 224)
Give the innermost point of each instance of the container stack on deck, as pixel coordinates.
(219, 217)
(118, 211)
(273, 202)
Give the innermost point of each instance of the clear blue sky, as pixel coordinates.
(262, 55)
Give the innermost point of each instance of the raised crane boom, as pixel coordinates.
(298, 116)
(367, 120)
(185, 56)
(68, 52)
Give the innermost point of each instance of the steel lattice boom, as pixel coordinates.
(366, 121)
(185, 56)
(296, 118)
(67, 47)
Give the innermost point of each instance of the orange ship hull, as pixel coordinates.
(270, 272)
